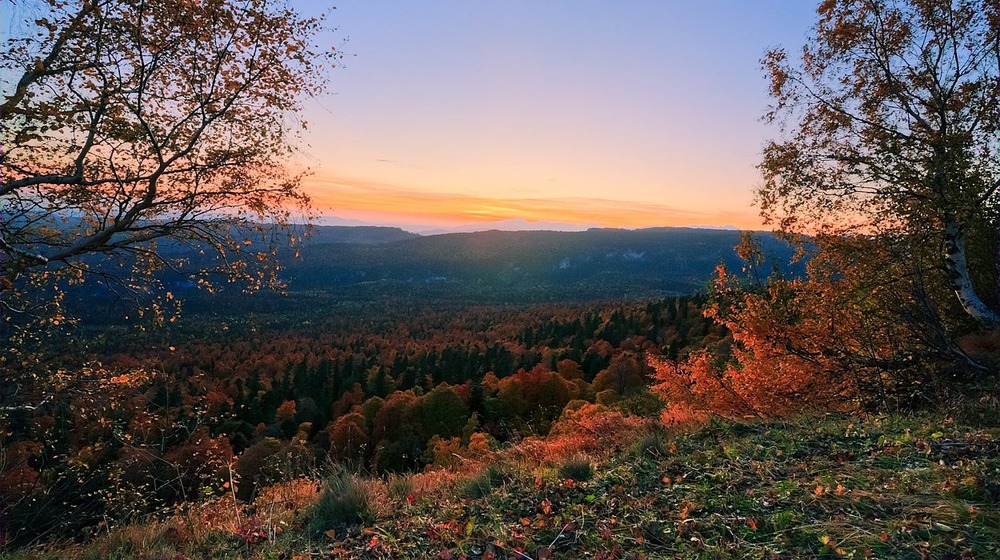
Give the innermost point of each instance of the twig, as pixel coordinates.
(561, 531)
(25, 407)
(232, 490)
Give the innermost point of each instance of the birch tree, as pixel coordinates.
(130, 125)
(890, 131)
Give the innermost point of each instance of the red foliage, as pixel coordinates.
(17, 483)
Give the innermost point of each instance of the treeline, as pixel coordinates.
(390, 391)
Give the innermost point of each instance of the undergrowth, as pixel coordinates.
(833, 487)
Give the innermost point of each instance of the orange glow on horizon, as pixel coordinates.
(375, 202)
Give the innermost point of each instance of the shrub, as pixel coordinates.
(269, 461)
(285, 503)
(640, 402)
(344, 502)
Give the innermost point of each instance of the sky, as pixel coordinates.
(613, 114)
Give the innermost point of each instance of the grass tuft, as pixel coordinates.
(578, 468)
(653, 444)
(483, 485)
(343, 502)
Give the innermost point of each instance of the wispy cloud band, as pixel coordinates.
(347, 196)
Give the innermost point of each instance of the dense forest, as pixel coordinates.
(380, 388)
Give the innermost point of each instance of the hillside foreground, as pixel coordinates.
(611, 486)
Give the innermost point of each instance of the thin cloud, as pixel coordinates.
(360, 197)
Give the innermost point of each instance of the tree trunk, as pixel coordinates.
(957, 266)
(996, 252)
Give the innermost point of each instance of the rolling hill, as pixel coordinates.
(516, 266)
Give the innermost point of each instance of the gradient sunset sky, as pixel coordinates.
(617, 114)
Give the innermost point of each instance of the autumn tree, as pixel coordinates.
(889, 168)
(443, 412)
(142, 135)
(886, 177)
(348, 438)
(891, 125)
(626, 373)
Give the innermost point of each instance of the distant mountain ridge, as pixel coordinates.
(518, 265)
(517, 224)
(358, 235)
(368, 263)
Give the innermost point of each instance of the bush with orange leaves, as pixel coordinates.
(790, 339)
(281, 505)
(451, 453)
(583, 428)
(840, 338)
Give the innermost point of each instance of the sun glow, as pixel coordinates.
(381, 203)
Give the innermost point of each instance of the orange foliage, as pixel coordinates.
(436, 483)
(779, 366)
(203, 518)
(807, 344)
(285, 412)
(450, 453)
(479, 445)
(446, 452)
(347, 437)
(528, 391)
(696, 386)
(582, 428)
(681, 414)
(277, 505)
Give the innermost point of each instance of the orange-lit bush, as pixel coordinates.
(583, 428)
(348, 439)
(857, 330)
(790, 340)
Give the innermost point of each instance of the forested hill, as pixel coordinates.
(368, 264)
(359, 235)
(519, 266)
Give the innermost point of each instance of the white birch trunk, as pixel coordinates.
(957, 266)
